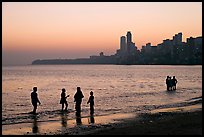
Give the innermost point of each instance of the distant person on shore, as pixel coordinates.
(170, 84)
(78, 99)
(63, 99)
(34, 99)
(91, 101)
(174, 82)
(167, 83)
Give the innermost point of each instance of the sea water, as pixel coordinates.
(116, 88)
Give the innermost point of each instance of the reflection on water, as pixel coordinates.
(35, 124)
(78, 118)
(64, 119)
(117, 88)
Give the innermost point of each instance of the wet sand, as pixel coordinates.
(182, 120)
(173, 121)
(79, 125)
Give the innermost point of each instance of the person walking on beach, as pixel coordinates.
(78, 99)
(174, 82)
(91, 101)
(63, 99)
(34, 99)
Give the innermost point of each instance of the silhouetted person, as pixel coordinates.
(167, 83)
(34, 99)
(174, 82)
(170, 83)
(78, 99)
(91, 101)
(63, 99)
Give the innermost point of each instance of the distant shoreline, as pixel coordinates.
(95, 62)
(105, 64)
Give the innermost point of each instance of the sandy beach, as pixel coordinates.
(172, 122)
(184, 119)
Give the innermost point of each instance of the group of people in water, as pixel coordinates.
(171, 83)
(77, 98)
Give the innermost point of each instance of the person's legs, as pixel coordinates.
(78, 107)
(167, 86)
(91, 109)
(34, 108)
(66, 105)
(62, 106)
(170, 87)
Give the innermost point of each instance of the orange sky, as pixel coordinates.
(72, 30)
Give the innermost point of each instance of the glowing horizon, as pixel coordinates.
(81, 29)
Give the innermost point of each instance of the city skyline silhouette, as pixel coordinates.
(72, 30)
(169, 52)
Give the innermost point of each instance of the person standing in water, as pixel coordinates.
(167, 83)
(34, 100)
(63, 99)
(174, 82)
(170, 83)
(78, 99)
(91, 101)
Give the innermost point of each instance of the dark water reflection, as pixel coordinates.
(35, 124)
(64, 119)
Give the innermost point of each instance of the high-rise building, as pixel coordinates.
(127, 47)
(129, 40)
(129, 37)
(175, 39)
(179, 38)
(123, 43)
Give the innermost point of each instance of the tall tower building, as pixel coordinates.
(129, 37)
(176, 39)
(179, 38)
(129, 40)
(123, 43)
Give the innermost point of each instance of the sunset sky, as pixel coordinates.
(42, 30)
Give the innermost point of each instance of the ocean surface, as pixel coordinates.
(117, 89)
